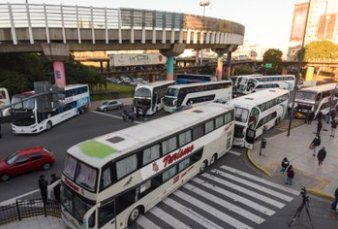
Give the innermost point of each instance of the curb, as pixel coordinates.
(319, 193)
(248, 154)
(313, 191)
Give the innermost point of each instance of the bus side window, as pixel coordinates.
(198, 131)
(125, 200)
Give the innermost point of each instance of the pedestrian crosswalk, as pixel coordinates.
(220, 198)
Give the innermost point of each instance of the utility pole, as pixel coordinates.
(299, 74)
(203, 3)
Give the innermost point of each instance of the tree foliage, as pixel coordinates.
(274, 57)
(19, 71)
(243, 70)
(320, 49)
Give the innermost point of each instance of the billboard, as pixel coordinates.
(298, 22)
(326, 26)
(118, 60)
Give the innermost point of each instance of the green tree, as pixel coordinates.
(274, 57)
(320, 49)
(243, 70)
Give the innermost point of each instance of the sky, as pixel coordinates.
(267, 22)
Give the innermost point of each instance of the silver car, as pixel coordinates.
(110, 105)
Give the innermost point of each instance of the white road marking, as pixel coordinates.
(12, 200)
(168, 218)
(253, 185)
(261, 180)
(146, 223)
(235, 153)
(215, 212)
(236, 198)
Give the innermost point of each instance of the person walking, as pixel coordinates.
(290, 174)
(311, 117)
(333, 114)
(319, 127)
(321, 156)
(43, 184)
(319, 116)
(315, 145)
(333, 128)
(284, 164)
(335, 201)
(56, 188)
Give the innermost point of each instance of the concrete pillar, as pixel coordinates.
(174, 50)
(219, 69)
(57, 53)
(228, 67)
(152, 78)
(59, 73)
(170, 68)
(197, 57)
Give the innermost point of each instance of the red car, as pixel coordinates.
(26, 160)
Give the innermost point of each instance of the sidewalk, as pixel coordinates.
(39, 222)
(323, 180)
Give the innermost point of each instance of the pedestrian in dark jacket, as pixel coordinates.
(333, 128)
(319, 127)
(43, 184)
(321, 156)
(315, 145)
(290, 174)
(319, 116)
(311, 117)
(333, 114)
(284, 164)
(57, 187)
(335, 202)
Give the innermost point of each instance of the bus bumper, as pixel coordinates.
(25, 130)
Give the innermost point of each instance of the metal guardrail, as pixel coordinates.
(46, 17)
(28, 208)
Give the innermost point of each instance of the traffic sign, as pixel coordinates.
(268, 65)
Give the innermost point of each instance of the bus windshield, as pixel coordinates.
(306, 95)
(173, 92)
(142, 92)
(28, 104)
(80, 173)
(241, 114)
(75, 205)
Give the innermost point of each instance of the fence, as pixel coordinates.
(28, 208)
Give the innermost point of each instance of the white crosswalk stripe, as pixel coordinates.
(221, 198)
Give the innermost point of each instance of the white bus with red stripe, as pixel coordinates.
(110, 180)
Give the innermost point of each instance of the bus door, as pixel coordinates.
(89, 218)
(250, 138)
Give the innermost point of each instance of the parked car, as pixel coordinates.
(26, 160)
(110, 105)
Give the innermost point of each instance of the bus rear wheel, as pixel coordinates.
(135, 213)
(203, 166)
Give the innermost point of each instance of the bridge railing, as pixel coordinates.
(63, 22)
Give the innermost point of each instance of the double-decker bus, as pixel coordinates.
(252, 83)
(27, 119)
(194, 78)
(110, 180)
(316, 99)
(258, 111)
(4, 101)
(148, 98)
(179, 96)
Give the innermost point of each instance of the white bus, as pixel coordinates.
(315, 99)
(252, 83)
(110, 180)
(178, 96)
(27, 119)
(263, 109)
(4, 101)
(148, 98)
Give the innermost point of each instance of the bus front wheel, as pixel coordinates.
(49, 125)
(213, 159)
(135, 213)
(203, 166)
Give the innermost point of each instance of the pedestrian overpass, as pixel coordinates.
(56, 30)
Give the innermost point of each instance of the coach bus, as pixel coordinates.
(4, 101)
(252, 83)
(28, 119)
(258, 111)
(194, 78)
(316, 99)
(148, 98)
(110, 180)
(179, 96)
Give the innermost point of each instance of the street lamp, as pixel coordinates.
(298, 72)
(203, 3)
